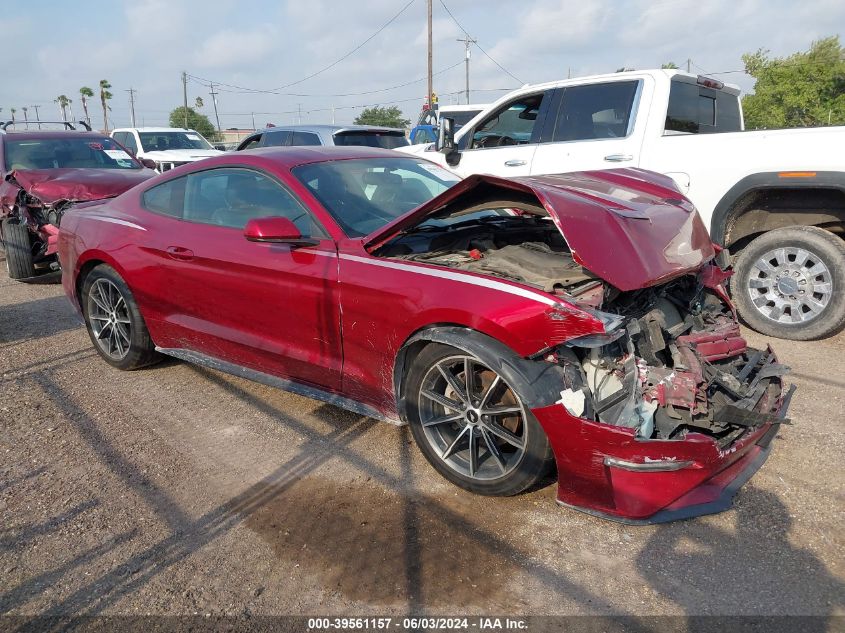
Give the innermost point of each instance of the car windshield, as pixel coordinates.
(163, 141)
(385, 140)
(82, 152)
(363, 195)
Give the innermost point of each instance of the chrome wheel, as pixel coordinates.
(790, 285)
(471, 418)
(108, 316)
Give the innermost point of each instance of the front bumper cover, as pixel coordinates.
(606, 471)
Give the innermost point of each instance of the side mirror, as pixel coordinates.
(276, 230)
(446, 136)
(148, 162)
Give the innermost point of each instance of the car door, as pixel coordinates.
(591, 126)
(271, 307)
(504, 142)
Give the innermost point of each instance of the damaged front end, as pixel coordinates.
(667, 411)
(665, 415)
(42, 218)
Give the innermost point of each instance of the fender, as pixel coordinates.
(538, 383)
(769, 180)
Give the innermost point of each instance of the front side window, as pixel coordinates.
(595, 111)
(231, 197)
(362, 195)
(251, 143)
(163, 141)
(511, 125)
(67, 152)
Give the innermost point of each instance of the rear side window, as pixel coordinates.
(694, 109)
(276, 139)
(166, 199)
(595, 111)
(305, 138)
(385, 140)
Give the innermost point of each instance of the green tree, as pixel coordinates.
(804, 89)
(63, 102)
(196, 121)
(86, 93)
(105, 95)
(669, 66)
(385, 117)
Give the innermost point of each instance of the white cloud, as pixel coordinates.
(230, 48)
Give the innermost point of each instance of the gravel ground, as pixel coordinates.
(179, 490)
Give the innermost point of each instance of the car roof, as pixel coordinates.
(294, 156)
(329, 128)
(51, 134)
(152, 129)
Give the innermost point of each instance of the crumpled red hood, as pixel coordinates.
(631, 227)
(52, 185)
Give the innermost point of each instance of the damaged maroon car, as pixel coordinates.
(43, 173)
(576, 322)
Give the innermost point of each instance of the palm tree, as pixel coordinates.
(12, 110)
(199, 102)
(25, 119)
(63, 102)
(105, 95)
(86, 93)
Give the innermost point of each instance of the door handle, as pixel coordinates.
(619, 158)
(514, 163)
(177, 252)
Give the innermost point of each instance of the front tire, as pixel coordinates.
(790, 283)
(472, 426)
(114, 322)
(19, 262)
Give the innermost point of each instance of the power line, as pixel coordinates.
(486, 54)
(241, 90)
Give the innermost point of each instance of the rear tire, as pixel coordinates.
(114, 322)
(790, 283)
(488, 442)
(18, 249)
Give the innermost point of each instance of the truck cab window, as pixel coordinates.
(512, 124)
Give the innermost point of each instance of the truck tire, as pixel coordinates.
(18, 250)
(790, 283)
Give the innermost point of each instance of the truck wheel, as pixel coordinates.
(471, 425)
(790, 283)
(18, 249)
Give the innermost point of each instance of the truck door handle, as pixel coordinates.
(619, 158)
(514, 163)
(177, 252)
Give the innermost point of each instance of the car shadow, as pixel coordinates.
(17, 323)
(702, 567)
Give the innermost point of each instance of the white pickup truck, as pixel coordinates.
(776, 198)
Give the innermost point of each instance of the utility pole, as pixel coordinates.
(299, 113)
(132, 92)
(37, 118)
(253, 121)
(689, 62)
(467, 40)
(185, 95)
(430, 60)
(214, 101)
(333, 115)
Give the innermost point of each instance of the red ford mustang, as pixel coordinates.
(576, 321)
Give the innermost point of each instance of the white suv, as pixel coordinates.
(169, 147)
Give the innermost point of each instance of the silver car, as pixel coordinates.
(343, 135)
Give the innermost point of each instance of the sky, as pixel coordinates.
(265, 45)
